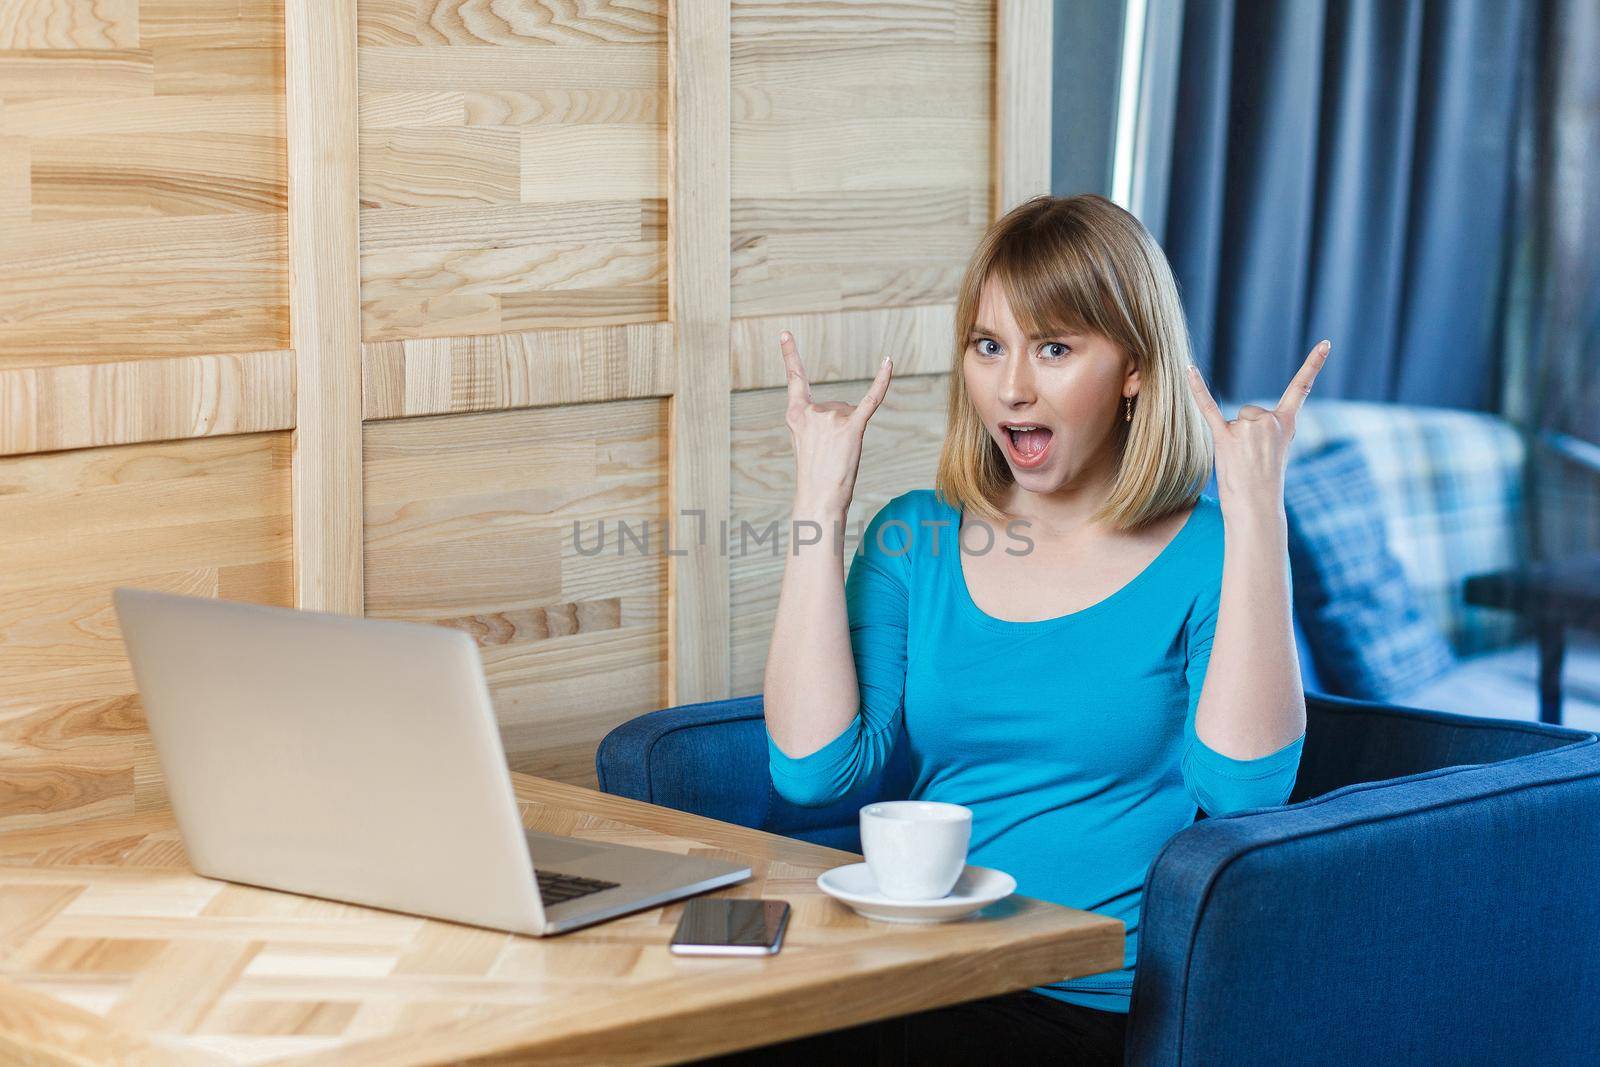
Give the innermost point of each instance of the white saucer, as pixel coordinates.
(977, 888)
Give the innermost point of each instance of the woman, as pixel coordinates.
(1060, 630)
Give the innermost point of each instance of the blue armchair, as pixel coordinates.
(1426, 896)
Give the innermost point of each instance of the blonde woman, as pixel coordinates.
(1074, 641)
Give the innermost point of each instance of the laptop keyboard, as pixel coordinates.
(557, 888)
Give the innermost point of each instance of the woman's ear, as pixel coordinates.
(1131, 383)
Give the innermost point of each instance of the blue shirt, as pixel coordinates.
(1071, 739)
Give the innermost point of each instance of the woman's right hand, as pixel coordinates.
(827, 437)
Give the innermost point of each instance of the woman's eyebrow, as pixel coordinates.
(1036, 337)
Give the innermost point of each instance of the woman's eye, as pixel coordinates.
(1048, 349)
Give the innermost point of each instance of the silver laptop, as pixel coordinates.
(359, 760)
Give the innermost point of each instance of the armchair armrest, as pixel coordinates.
(1448, 916)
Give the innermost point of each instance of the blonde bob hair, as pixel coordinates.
(1082, 264)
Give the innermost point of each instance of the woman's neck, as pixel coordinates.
(1063, 514)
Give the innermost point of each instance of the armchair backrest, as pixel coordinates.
(1349, 742)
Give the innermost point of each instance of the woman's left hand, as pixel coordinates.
(1253, 449)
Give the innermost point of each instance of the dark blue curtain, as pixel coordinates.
(1343, 169)
(1552, 337)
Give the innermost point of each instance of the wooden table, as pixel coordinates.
(113, 951)
(1553, 597)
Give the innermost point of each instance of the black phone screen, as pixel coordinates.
(739, 927)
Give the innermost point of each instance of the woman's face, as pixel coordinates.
(1070, 385)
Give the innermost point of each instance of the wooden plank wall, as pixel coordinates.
(406, 307)
(514, 288)
(146, 377)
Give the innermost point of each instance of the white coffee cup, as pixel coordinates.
(916, 849)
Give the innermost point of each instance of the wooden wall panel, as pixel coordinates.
(142, 193)
(438, 375)
(900, 452)
(513, 166)
(1024, 33)
(207, 517)
(324, 311)
(47, 408)
(470, 523)
(861, 152)
(698, 430)
(845, 345)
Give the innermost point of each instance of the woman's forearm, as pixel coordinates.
(810, 690)
(1252, 702)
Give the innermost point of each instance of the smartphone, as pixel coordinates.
(716, 926)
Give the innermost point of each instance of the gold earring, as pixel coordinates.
(1127, 416)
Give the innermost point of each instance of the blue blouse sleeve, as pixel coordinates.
(877, 592)
(1221, 784)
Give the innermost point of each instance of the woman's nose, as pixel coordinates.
(1016, 381)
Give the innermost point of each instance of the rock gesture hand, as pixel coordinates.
(1253, 449)
(827, 438)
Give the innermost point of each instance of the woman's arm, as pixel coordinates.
(810, 691)
(1252, 702)
(875, 608)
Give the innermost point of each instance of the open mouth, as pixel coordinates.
(1029, 445)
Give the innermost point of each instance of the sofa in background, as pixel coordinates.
(1426, 896)
(1451, 486)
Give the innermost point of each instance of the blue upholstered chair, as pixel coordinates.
(1428, 894)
